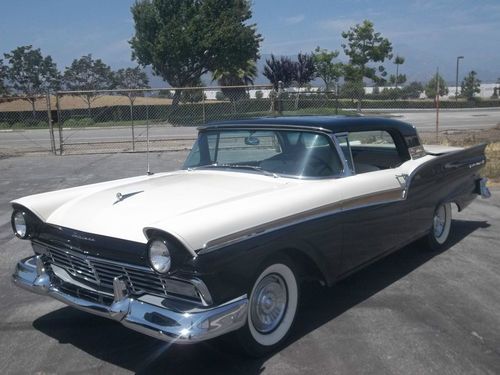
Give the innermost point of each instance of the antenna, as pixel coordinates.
(437, 104)
(149, 173)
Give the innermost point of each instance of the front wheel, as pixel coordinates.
(441, 224)
(272, 309)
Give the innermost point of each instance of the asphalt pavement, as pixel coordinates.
(39, 140)
(414, 312)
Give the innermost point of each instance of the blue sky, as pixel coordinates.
(427, 33)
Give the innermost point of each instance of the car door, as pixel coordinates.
(375, 214)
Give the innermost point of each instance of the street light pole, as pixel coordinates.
(456, 81)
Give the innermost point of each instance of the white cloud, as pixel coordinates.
(338, 24)
(293, 20)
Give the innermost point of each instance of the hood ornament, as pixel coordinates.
(120, 196)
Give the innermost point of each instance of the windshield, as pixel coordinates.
(283, 152)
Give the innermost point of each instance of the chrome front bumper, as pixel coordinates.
(154, 316)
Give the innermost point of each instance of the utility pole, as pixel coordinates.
(456, 80)
(437, 104)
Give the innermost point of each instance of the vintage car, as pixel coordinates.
(222, 245)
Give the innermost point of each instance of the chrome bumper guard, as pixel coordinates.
(158, 317)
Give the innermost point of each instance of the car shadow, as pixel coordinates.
(111, 342)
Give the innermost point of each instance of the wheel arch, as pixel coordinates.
(308, 265)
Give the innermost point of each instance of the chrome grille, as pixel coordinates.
(101, 272)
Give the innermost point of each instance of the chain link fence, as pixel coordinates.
(26, 124)
(74, 122)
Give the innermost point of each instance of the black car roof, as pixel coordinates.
(334, 124)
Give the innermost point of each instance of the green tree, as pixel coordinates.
(363, 46)
(431, 87)
(133, 79)
(470, 86)
(87, 74)
(399, 60)
(413, 90)
(399, 81)
(31, 74)
(326, 69)
(352, 90)
(184, 39)
(4, 89)
(279, 70)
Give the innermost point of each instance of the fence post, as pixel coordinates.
(132, 120)
(51, 125)
(203, 106)
(280, 99)
(59, 123)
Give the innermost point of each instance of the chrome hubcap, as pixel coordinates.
(268, 303)
(439, 221)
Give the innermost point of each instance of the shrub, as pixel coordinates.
(219, 96)
(79, 122)
(28, 124)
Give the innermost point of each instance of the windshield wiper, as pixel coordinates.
(238, 166)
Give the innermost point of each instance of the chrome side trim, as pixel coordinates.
(164, 320)
(367, 200)
(346, 170)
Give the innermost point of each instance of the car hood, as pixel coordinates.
(195, 206)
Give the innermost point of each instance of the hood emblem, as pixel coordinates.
(120, 196)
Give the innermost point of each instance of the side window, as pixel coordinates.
(375, 138)
(373, 150)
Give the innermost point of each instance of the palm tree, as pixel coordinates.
(398, 60)
(279, 70)
(243, 76)
(304, 73)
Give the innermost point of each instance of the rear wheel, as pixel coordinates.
(441, 225)
(272, 308)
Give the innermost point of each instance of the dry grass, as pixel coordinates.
(492, 168)
(471, 138)
(76, 102)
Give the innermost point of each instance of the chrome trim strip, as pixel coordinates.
(346, 170)
(367, 200)
(264, 126)
(165, 321)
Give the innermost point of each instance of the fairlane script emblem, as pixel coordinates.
(79, 237)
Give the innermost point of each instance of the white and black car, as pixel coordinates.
(221, 245)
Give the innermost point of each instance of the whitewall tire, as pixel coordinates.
(272, 308)
(441, 225)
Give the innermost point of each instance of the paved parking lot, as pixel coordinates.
(412, 313)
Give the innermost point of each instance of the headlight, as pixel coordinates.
(159, 256)
(20, 224)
